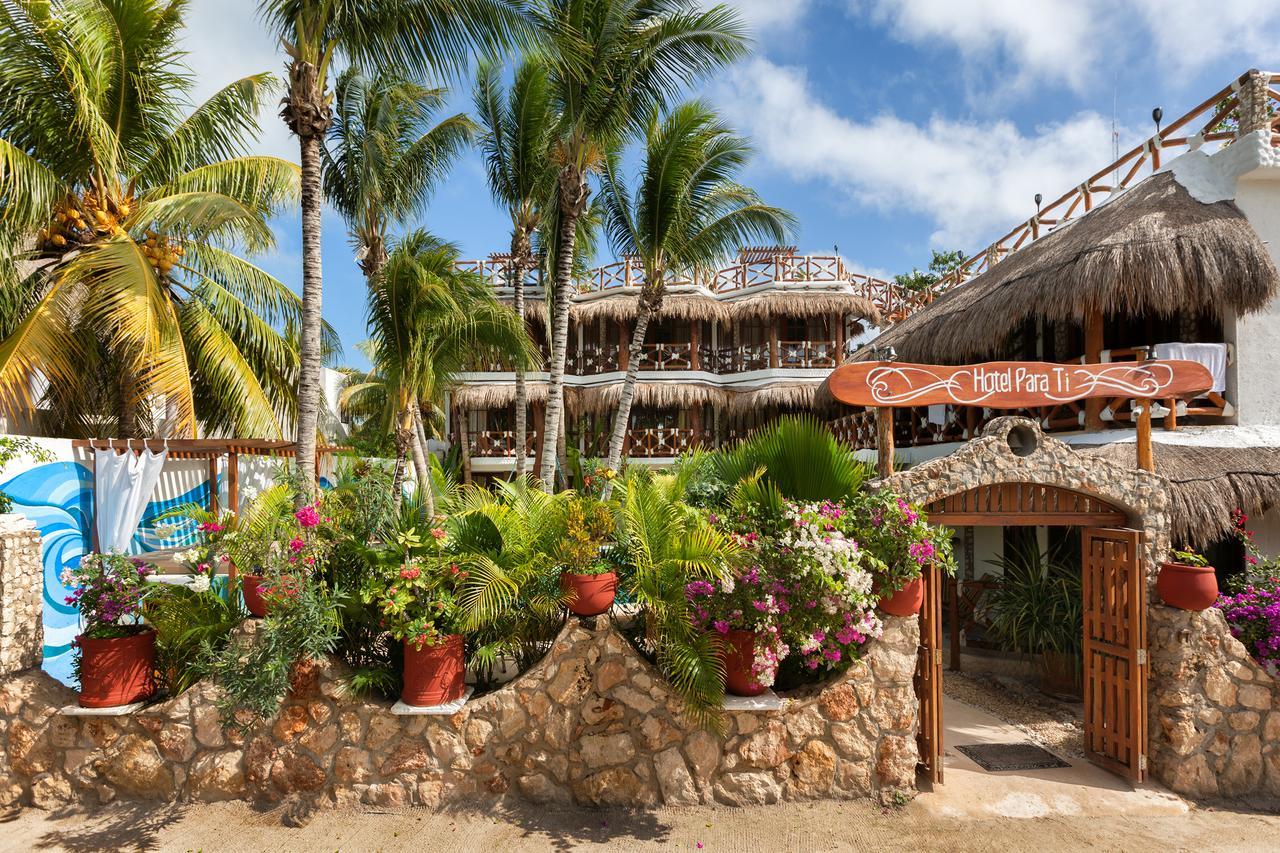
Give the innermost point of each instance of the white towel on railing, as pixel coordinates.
(938, 414)
(1212, 356)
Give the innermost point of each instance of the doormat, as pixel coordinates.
(995, 757)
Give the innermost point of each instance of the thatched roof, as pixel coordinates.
(652, 394)
(1154, 249)
(624, 304)
(806, 395)
(495, 395)
(803, 303)
(1206, 484)
(534, 309)
(649, 395)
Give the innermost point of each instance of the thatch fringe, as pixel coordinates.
(495, 395)
(534, 309)
(803, 395)
(803, 303)
(1153, 250)
(650, 395)
(625, 305)
(1206, 484)
(595, 399)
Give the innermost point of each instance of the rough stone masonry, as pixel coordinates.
(592, 723)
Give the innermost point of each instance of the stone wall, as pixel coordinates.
(1214, 712)
(593, 723)
(21, 587)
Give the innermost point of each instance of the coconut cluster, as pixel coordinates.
(80, 221)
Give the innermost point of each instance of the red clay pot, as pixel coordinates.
(253, 595)
(1187, 587)
(117, 671)
(592, 594)
(740, 654)
(907, 601)
(433, 675)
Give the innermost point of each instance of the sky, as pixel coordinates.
(888, 127)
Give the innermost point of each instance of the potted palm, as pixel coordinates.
(1187, 581)
(589, 582)
(419, 607)
(116, 650)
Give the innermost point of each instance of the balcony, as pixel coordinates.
(807, 354)
(666, 356)
(498, 444)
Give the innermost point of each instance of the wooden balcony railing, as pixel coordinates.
(815, 354)
(595, 358)
(491, 444)
(666, 356)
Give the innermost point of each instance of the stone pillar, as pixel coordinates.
(21, 588)
(1253, 102)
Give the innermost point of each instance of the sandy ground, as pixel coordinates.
(825, 826)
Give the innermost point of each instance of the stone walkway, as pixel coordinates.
(822, 826)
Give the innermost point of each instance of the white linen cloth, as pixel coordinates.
(938, 414)
(1212, 356)
(123, 483)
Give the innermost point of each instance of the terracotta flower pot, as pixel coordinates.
(433, 675)
(740, 654)
(118, 670)
(906, 601)
(252, 588)
(1187, 587)
(592, 594)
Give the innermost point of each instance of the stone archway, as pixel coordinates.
(1015, 475)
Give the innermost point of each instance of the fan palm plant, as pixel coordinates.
(612, 62)
(798, 455)
(668, 544)
(419, 37)
(687, 212)
(427, 321)
(518, 127)
(121, 213)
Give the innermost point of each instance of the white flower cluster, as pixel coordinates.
(831, 552)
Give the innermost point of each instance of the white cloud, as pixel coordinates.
(973, 180)
(763, 14)
(1191, 33)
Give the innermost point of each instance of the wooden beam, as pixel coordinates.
(884, 442)
(953, 616)
(233, 481)
(695, 341)
(213, 485)
(624, 352)
(1146, 454)
(1093, 332)
(1026, 519)
(773, 344)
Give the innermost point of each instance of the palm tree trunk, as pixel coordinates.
(309, 375)
(522, 393)
(421, 466)
(397, 479)
(573, 201)
(623, 415)
(464, 445)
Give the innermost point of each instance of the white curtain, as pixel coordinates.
(123, 483)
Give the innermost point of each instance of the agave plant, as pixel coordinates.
(667, 544)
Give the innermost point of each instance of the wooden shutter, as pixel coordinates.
(1115, 650)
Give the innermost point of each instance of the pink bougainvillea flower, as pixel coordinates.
(296, 544)
(307, 516)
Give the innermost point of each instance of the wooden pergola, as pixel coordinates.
(212, 449)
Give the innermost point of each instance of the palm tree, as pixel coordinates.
(427, 321)
(518, 128)
(120, 216)
(612, 63)
(385, 156)
(687, 212)
(419, 37)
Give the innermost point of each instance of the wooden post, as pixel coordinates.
(233, 481)
(1171, 419)
(1093, 323)
(839, 340)
(1146, 454)
(695, 341)
(884, 442)
(539, 428)
(773, 343)
(695, 424)
(624, 353)
(953, 616)
(213, 485)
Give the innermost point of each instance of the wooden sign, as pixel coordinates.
(1013, 384)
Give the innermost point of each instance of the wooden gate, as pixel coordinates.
(928, 680)
(1115, 650)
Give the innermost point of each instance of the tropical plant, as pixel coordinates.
(14, 447)
(120, 217)
(900, 537)
(612, 62)
(244, 536)
(187, 620)
(518, 128)
(686, 211)
(507, 540)
(588, 526)
(109, 590)
(666, 545)
(797, 454)
(427, 321)
(254, 670)
(1039, 605)
(416, 37)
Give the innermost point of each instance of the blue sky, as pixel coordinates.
(888, 127)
